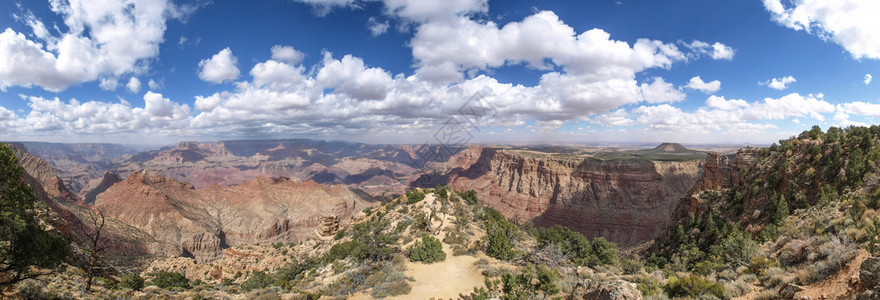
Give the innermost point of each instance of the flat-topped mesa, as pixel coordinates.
(628, 201)
(671, 147)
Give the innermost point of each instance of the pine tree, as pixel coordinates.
(23, 241)
(778, 209)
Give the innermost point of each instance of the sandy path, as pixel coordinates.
(444, 280)
(837, 286)
(447, 279)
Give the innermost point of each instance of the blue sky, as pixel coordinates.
(396, 71)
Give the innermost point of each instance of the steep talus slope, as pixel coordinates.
(167, 210)
(200, 223)
(73, 214)
(628, 201)
(265, 210)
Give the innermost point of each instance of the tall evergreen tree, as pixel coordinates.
(23, 241)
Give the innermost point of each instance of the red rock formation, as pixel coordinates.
(626, 201)
(71, 211)
(716, 173)
(95, 188)
(201, 223)
(720, 172)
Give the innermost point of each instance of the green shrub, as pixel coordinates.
(605, 252)
(649, 288)
(394, 288)
(572, 244)
(131, 281)
(872, 234)
(692, 286)
(339, 235)
(737, 248)
(258, 280)
(759, 265)
(24, 242)
(106, 282)
(528, 283)
(469, 197)
(171, 279)
(414, 196)
(344, 250)
(778, 209)
(428, 250)
(501, 234)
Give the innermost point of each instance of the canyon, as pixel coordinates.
(628, 201)
(196, 199)
(147, 214)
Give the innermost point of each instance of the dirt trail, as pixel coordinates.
(837, 286)
(447, 279)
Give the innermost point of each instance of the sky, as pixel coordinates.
(448, 71)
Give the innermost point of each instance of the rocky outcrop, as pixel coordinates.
(328, 227)
(725, 171)
(628, 201)
(606, 290)
(869, 272)
(200, 223)
(717, 172)
(99, 186)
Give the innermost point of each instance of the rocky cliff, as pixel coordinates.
(200, 223)
(628, 201)
(68, 214)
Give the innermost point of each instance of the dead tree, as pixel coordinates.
(95, 244)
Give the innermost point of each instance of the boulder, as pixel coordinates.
(869, 272)
(606, 290)
(789, 290)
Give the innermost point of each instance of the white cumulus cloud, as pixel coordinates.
(377, 28)
(287, 54)
(220, 67)
(779, 83)
(104, 40)
(868, 79)
(852, 24)
(134, 85)
(697, 83)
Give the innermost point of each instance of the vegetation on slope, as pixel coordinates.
(800, 213)
(24, 242)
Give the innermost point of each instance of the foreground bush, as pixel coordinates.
(414, 196)
(501, 235)
(171, 279)
(693, 286)
(428, 250)
(258, 280)
(131, 281)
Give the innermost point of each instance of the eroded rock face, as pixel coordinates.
(200, 223)
(328, 227)
(612, 290)
(869, 272)
(719, 172)
(73, 214)
(627, 201)
(99, 186)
